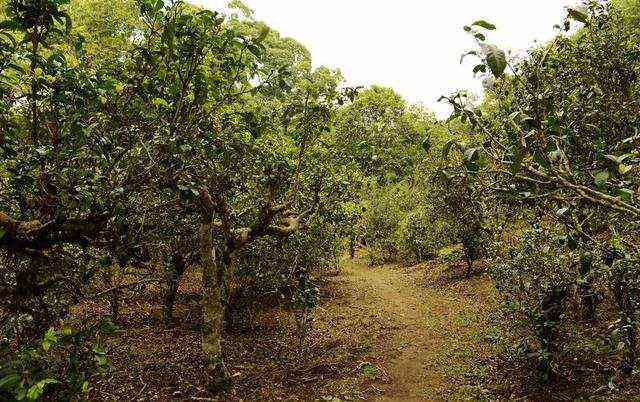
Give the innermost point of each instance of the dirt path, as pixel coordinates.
(384, 333)
(422, 341)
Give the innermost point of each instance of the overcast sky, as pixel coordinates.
(413, 46)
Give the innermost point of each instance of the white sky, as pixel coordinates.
(413, 46)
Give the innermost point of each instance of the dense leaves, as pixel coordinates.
(143, 139)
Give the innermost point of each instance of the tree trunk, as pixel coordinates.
(114, 303)
(178, 265)
(469, 266)
(587, 294)
(212, 309)
(230, 296)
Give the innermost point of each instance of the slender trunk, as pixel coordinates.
(112, 279)
(178, 265)
(212, 308)
(587, 295)
(28, 297)
(114, 303)
(625, 293)
(469, 252)
(230, 297)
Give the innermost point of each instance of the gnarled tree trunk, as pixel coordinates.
(212, 308)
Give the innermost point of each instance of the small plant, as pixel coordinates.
(58, 366)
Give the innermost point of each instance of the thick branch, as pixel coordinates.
(292, 224)
(588, 194)
(23, 236)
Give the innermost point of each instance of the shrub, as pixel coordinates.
(419, 236)
(535, 278)
(58, 366)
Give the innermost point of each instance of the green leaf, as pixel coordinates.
(624, 169)
(601, 179)
(98, 350)
(159, 102)
(578, 15)
(447, 148)
(625, 194)
(10, 381)
(102, 360)
(541, 161)
(480, 68)
(2, 233)
(516, 163)
(496, 59)
(426, 146)
(263, 34)
(49, 339)
(484, 24)
(255, 50)
(37, 390)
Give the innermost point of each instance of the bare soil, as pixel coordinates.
(380, 333)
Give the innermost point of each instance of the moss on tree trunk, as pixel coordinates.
(212, 309)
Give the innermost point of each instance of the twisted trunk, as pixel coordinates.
(212, 308)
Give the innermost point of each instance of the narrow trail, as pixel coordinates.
(423, 341)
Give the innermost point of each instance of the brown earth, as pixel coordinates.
(436, 343)
(384, 333)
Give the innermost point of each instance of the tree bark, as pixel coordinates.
(551, 309)
(114, 303)
(178, 265)
(212, 308)
(230, 297)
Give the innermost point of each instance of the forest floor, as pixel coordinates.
(427, 337)
(380, 333)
